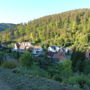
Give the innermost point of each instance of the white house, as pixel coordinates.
(37, 50)
(20, 47)
(69, 51)
(53, 49)
(59, 54)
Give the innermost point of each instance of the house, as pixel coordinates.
(53, 49)
(59, 57)
(50, 54)
(56, 54)
(25, 45)
(87, 54)
(37, 50)
(16, 46)
(62, 50)
(59, 54)
(68, 51)
(21, 47)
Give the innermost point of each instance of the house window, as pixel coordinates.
(37, 51)
(89, 54)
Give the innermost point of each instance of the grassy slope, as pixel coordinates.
(25, 82)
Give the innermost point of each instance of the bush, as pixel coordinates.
(79, 80)
(10, 65)
(60, 71)
(26, 59)
(57, 77)
(67, 68)
(1, 57)
(15, 55)
(87, 67)
(38, 72)
(78, 58)
(43, 62)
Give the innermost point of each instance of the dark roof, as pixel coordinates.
(50, 54)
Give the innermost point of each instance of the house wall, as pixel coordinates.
(87, 55)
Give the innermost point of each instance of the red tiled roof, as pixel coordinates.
(59, 55)
(37, 47)
(50, 54)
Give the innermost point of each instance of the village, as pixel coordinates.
(45, 45)
(56, 53)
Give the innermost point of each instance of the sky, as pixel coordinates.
(22, 11)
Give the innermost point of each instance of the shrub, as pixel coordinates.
(43, 62)
(38, 72)
(87, 67)
(78, 58)
(66, 68)
(79, 80)
(60, 71)
(1, 57)
(26, 59)
(57, 77)
(15, 55)
(9, 64)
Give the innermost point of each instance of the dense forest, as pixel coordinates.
(67, 28)
(4, 26)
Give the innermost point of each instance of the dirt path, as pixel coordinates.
(4, 86)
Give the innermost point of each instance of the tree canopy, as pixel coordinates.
(68, 28)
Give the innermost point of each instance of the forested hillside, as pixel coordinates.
(68, 28)
(4, 26)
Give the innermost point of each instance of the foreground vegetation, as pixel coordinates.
(76, 75)
(28, 82)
